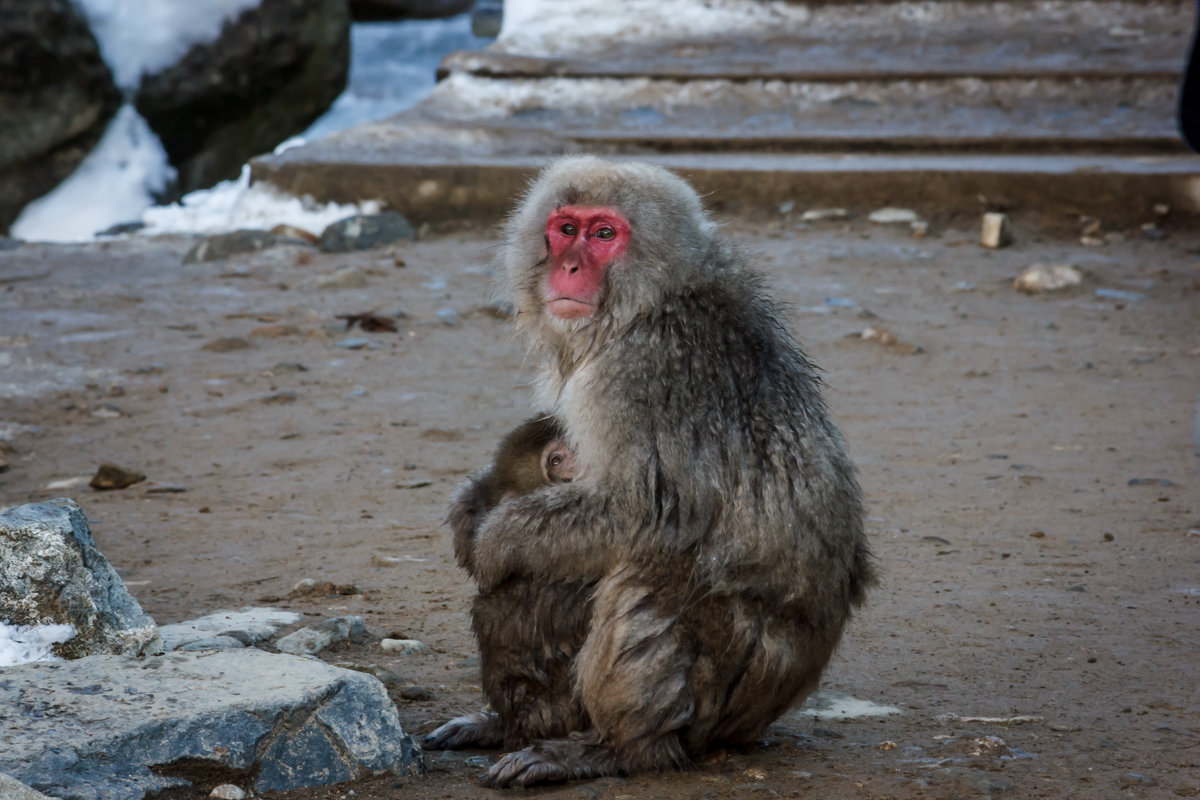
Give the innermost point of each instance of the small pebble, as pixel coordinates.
(111, 476)
(344, 278)
(353, 343)
(996, 231)
(885, 216)
(226, 344)
(1120, 294)
(279, 398)
(448, 316)
(1047, 278)
(227, 791)
(816, 214)
(405, 647)
(1150, 482)
(166, 488)
(416, 692)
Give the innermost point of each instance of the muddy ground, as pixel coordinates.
(1031, 472)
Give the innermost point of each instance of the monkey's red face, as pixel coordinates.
(582, 243)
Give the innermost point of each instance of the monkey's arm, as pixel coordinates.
(560, 532)
(468, 508)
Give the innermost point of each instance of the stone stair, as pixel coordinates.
(1054, 106)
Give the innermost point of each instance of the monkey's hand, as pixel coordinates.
(468, 507)
(559, 532)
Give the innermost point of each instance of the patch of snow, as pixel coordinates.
(590, 27)
(22, 644)
(115, 183)
(142, 37)
(830, 705)
(238, 204)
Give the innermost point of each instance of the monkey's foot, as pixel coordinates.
(552, 760)
(478, 729)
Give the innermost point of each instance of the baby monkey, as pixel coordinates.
(532, 455)
(529, 691)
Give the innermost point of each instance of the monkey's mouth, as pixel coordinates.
(567, 308)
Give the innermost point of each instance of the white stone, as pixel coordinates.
(995, 230)
(406, 647)
(1047, 278)
(885, 216)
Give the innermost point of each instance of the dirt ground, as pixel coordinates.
(1031, 473)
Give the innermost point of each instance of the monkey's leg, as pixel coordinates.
(633, 677)
(529, 635)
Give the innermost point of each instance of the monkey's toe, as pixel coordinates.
(525, 768)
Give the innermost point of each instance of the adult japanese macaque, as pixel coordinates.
(715, 530)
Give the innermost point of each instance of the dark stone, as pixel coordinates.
(377, 10)
(122, 228)
(111, 476)
(364, 231)
(268, 76)
(56, 98)
(224, 245)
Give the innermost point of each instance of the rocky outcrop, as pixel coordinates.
(270, 73)
(376, 10)
(52, 574)
(56, 98)
(118, 728)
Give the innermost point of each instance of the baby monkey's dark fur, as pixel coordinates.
(698, 573)
(529, 689)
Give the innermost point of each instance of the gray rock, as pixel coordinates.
(223, 245)
(213, 643)
(51, 574)
(272, 71)
(247, 625)
(56, 98)
(13, 789)
(110, 727)
(309, 641)
(364, 231)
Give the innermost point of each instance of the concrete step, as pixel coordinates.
(454, 187)
(1122, 114)
(1064, 107)
(1121, 40)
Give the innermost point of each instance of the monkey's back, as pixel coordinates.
(741, 464)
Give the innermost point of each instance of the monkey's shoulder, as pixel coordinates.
(727, 325)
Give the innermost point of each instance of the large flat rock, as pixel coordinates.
(116, 728)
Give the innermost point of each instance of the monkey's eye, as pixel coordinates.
(556, 461)
(567, 229)
(605, 233)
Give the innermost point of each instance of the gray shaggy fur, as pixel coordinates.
(696, 577)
